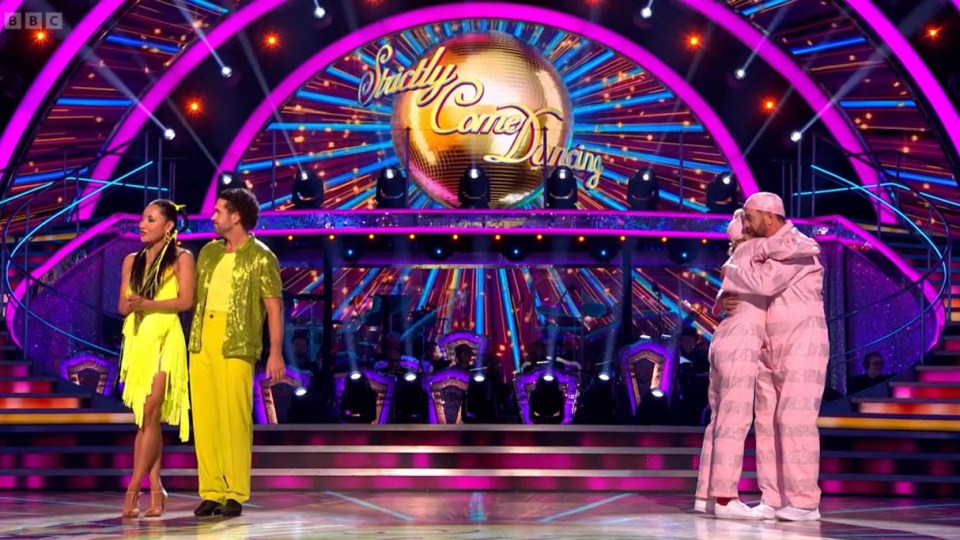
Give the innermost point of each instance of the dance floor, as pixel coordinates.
(429, 515)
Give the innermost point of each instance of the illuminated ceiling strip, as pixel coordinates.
(828, 45)
(762, 6)
(141, 44)
(836, 123)
(179, 68)
(431, 15)
(927, 84)
(93, 102)
(32, 103)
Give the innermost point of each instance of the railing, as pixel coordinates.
(938, 257)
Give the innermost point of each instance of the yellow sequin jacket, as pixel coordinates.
(256, 275)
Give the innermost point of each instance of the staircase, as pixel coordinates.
(915, 253)
(27, 398)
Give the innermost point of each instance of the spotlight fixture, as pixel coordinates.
(740, 74)
(643, 191)
(474, 189)
(410, 400)
(358, 403)
(226, 72)
(169, 134)
(796, 136)
(271, 41)
(391, 189)
(546, 400)
(479, 404)
(646, 12)
(603, 253)
(722, 194)
(599, 403)
(319, 12)
(300, 391)
(561, 189)
(307, 190)
(652, 409)
(226, 180)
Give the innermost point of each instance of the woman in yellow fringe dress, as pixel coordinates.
(158, 282)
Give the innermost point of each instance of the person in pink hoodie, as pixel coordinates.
(735, 355)
(792, 373)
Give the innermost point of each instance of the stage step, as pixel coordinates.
(530, 458)
(74, 417)
(945, 407)
(42, 401)
(908, 390)
(15, 368)
(938, 373)
(27, 385)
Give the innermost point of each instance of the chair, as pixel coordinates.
(446, 389)
(569, 383)
(91, 372)
(272, 399)
(382, 385)
(645, 365)
(448, 344)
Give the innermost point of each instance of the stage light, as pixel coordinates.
(169, 134)
(598, 402)
(391, 189)
(694, 41)
(652, 408)
(603, 253)
(300, 391)
(740, 74)
(319, 12)
(193, 107)
(226, 72)
(479, 405)
(307, 190)
(271, 41)
(796, 136)
(722, 194)
(646, 12)
(438, 252)
(546, 401)
(643, 191)
(561, 189)
(515, 251)
(474, 189)
(769, 105)
(410, 400)
(933, 32)
(684, 251)
(40, 36)
(351, 254)
(358, 403)
(227, 180)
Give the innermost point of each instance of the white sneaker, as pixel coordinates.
(700, 505)
(789, 513)
(765, 511)
(735, 509)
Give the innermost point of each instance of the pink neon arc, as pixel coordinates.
(31, 104)
(927, 84)
(811, 93)
(158, 92)
(351, 42)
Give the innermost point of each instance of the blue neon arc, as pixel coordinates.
(939, 180)
(94, 102)
(587, 66)
(828, 45)
(877, 103)
(209, 5)
(319, 126)
(639, 100)
(141, 43)
(343, 75)
(762, 5)
(294, 160)
(508, 314)
(638, 128)
(333, 100)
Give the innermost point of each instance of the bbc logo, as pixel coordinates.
(49, 20)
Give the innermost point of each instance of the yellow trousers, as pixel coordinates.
(221, 390)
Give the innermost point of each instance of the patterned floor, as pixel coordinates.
(422, 515)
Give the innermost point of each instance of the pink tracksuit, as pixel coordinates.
(735, 354)
(792, 371)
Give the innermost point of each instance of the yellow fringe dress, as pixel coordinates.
(156, 343)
